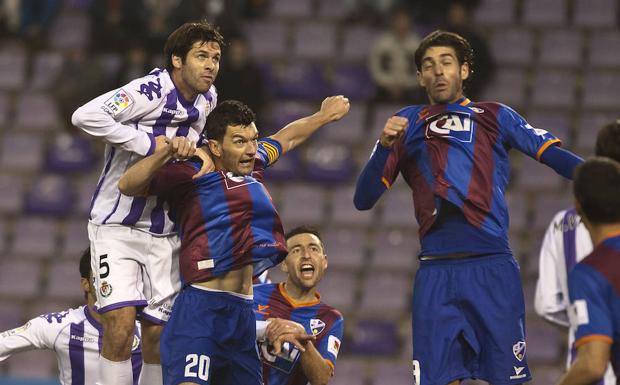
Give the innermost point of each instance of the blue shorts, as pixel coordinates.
(469, 321)
(210, 339)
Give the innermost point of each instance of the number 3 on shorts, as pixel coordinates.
(416, 372)
(202, 362)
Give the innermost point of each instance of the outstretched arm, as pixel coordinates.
(590, 364)
(136, 179)
(293, 134)
(562, 161)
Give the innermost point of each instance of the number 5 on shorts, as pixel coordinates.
(416, 372)
(203, 362)
(103, 265)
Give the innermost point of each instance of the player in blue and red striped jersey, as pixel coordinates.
(594, 283)
(230, 231)
(468, 308)
(297, 300)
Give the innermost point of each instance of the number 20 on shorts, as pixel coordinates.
(197, 366)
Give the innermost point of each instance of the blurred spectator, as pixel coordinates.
(254, 8)
(459, 21)
(115, 22)
(372, 10)
(36, 17)
(9, 17)
(135, 63)
(81, 79)
(239, 77)
(391, 59)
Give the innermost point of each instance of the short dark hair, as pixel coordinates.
(180, 41)
(439, 38)
(85, 264)
(597, 189)
(228, 113)
(608, 141)
(305, 230)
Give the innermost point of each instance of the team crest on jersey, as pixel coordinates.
(136, 343)
(317, 326)
(105, 289)
(118, 103)
(476, 110)
(518, 350)
(456, 125)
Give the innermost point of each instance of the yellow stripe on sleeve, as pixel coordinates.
(546, 146)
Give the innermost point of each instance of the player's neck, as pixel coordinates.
(458, 97)
(187, 93)
(599, 233)
(298, 294)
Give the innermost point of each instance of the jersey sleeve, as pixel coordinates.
(112, 116)
(590, 315)
(169, 177)
(269, 151)
(519, 134)
(549, 301)
(329, 346)
(38, 333)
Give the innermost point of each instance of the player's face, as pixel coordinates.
(238, 149)
(200, 67)
(441, 75)
(306, 261)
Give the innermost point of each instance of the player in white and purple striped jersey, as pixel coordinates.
(133, 240)
(75, 335)
(566, 243)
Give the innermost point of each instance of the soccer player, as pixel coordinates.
(594, 283)
(468, 308)
(74, 335)
(297, 300)
(133, 240)
(230, 232)
(566, 243)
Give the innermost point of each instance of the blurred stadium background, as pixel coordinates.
(557, 62)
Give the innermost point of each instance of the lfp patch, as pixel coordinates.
(118, 103)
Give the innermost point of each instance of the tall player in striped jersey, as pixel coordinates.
(75, 335)
(297, 300)
(453, 154)
(566, 243)
(132, 239)
(594, 283)
(230, 232)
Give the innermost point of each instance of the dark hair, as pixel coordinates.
(180, 41)
(85, 264)
(228, 113)
(439, 38)
(305, 230)
(597, 189)
(608, 141)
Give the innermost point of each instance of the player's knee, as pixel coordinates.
(119, 325)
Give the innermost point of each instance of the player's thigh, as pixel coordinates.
(115, 260)
(161, 278)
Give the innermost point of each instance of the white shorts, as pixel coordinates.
(134, 268)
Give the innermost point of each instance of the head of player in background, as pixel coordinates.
(608, 141)
(444, 61)
(306, 261)
(597, 194)
(86, 280)
(193, 52)
(233, 137)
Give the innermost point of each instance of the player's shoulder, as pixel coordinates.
(153, 86)
(411, 112)
(564, 220)
(64, 317)
(331, 311)
(263, 290)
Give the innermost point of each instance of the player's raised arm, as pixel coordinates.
(372, 182)
(293, 134)
(135, 181)
(34, 334)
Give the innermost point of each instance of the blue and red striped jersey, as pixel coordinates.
(458, 153)
(319, 319)
(226, 221)
(594, 286)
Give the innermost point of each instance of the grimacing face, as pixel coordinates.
(237, 151)
(306, 261)
(441, 75)
(201, 65)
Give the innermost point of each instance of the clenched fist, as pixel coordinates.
(335, 107)
(394, 128)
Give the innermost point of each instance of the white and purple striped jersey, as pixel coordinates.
(75, 336)
(128, 119)
(566, 242)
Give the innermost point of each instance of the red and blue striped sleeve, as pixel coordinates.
(329, 346)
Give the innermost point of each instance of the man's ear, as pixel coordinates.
(465, 71)
(283, 267)
(215, 148)
(177, 62)
(85, 284)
